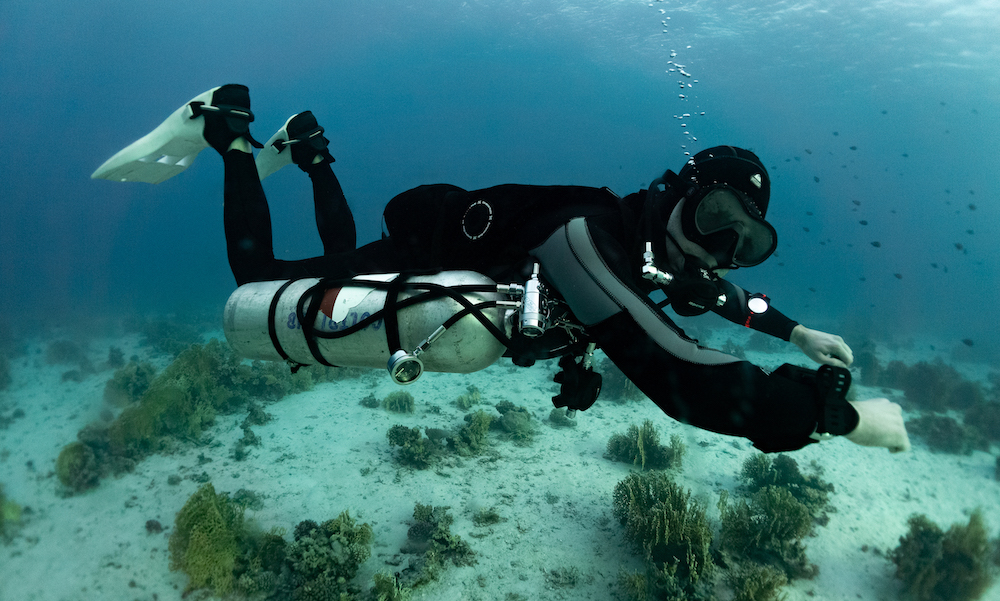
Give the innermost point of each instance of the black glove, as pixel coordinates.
(579, 385)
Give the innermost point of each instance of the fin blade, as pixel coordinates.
(270, 159)
(162, 153)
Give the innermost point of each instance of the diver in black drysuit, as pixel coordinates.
(589, 244)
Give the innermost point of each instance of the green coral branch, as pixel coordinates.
(640, 446)
(669, 527)
(203, 381)
(935, 565)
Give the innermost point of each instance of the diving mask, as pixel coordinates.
(727, 224)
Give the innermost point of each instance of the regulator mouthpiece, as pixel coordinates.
(405, 368)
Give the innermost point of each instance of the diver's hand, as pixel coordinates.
(821, 347)
(880, 424)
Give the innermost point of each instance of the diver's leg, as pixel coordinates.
(247, 218)
(333, 215)
(380, 256)
(301, 141)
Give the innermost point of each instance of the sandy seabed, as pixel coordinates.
(324, 453)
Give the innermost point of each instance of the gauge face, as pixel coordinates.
(757, 305)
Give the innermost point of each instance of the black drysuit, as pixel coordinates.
(586, 242)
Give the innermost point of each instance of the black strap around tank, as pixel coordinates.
(307, 318)
(392, 339)
(272, 312)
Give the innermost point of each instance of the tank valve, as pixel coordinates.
(650, 271)
(534, 321)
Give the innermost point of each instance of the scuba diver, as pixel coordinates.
(588, 260)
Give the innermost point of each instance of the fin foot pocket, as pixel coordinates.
(300, 140)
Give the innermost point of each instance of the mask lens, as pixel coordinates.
(753, 249)
(722, 209)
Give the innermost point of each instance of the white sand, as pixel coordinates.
(555, 495)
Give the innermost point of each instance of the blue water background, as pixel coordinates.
(887, 112)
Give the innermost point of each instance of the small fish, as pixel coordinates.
(899, 276)
(854, 147)
(816, 179)
(972, 207)
(836, 133)
(812, 289)
(959, 246)
(906, 156)
(885, 112)
(967, 341)
(856, 202)
(805, 229)
(877, 244)
(809, 213)
(862, 278)
(863, 222)
(808, 151)
(934, 265)
(969, 232)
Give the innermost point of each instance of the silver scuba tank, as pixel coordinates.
(262, 321)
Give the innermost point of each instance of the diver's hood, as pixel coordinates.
(734, 167)
(727, 191)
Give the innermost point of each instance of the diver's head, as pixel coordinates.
(709, 219)
(725, 192)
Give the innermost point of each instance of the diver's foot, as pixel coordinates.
(227, 117)
(299, 141)
(305, 136)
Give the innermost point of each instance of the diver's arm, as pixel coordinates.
(823, 348)
(728, 397)
(737, 310)
(696, 385)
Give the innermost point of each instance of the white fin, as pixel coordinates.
(163, 152)
(270, 159)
